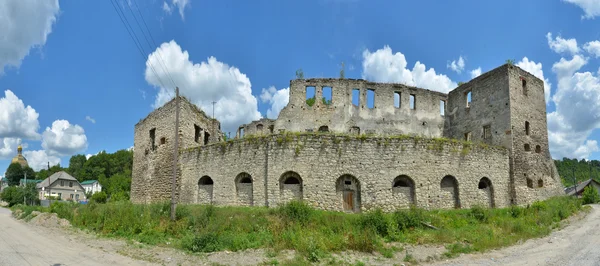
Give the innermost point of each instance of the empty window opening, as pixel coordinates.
(487, 132)
(205, 181)
(468, 136)
(483, 184)
(271, 128)
(370, 98)
(538, 149)
(529, 183)
(292, 181)
(413, 102)
(152, 137)
(397, 99)
(468, 99)
(163, 140)
(197, 131)
(259, 127)
(540, 183)
(403, 181)
(310, 96)
(527, 128)
(347, 182)
(241, 130)
(527, 147)
(206, 137)
(356, 97)
(327, 95)
(323, 129)
(442, 107)
(355, 130)
(246, 180)
(524, 85)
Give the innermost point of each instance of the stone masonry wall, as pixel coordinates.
(321, 159)
(342, 116)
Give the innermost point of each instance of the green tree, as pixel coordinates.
(590, 195)
(17, 195)
(76, 164)
(15, 173)
(299, 74)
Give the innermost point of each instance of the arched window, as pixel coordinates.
(348, 188)
(404, 185)
(538, 149)
(487, 190)
(205, 190)
(244, 189)
(324, 129)
(541, 183)
(259, 127)
(449, 186)
(290, 187)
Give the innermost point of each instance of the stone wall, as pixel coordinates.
(331, 167)
(343, 116)
(263, 126)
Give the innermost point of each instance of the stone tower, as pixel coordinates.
(507, 107)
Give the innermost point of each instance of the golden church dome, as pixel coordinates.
(20, 159)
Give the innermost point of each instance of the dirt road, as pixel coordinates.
(21, 244)
(576, 244)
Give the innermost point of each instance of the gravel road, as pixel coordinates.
(576, 244)
(21, 244)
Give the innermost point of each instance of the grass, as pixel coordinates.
(315, 233)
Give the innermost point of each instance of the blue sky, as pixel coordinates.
(74, 64)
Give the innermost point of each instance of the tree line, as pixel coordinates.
(573, 170)
(112, 170)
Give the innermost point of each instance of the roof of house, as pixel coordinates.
(58, 175)
(88, 182)
(572, 190)
(30, 180)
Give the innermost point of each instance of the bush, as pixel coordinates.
(479, 213)
(590, 195)
(406, 219)
(376, 221)
(99, 197)
(515, 211)
(208, 242)
(296, 211)
(16, 195)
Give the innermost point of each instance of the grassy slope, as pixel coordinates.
(315, 233)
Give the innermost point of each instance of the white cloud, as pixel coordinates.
(16, 120)
(591, 8)
(64, 139)
(536, 70)
(167, 8)
(89, 118)
(203, 83)
(39, 159)
(385, 66)
(560, 45)
(8, 147)
(24, 24)
(457, 66)
(593, 48)
(476, 72)
(278, 99)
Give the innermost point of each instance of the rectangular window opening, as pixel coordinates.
(527, 128)
(468, 136)
(413, 102)
(356, 97)
(487, 132)
(327, 95)
(197, 131)
(310, 95)
(524, 85)
(241, 132)
(206, 137)
(468, 99)
(397, 99)
(152, 138)
(442, 107)
(370, 98)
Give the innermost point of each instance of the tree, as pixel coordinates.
(76, 164)
(590, 195)
(16, 195)
(299, 74)
(15, 173)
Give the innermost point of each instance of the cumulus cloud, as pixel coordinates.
(560, 45)
(593, 48)
(385, 66)
(536, 70)
(204, 83)
(179, 4)
(457, 66)
(278, 99)
(8, 147)
(64, 139)
(476, 72)
(24, 24)
(39, 159)
(591, 8)
(16, 120)
(89, 118)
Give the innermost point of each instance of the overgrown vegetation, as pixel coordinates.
(315, 233)
(573, 170)
(20, 195)
(590, 195)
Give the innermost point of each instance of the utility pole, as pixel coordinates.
(213, 121)
(25, 194)
(574, 180)
(175, 154)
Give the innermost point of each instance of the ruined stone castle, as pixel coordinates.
(354, 145)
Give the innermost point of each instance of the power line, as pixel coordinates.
(133, 36)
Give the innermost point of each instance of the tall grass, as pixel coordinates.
(314, 233)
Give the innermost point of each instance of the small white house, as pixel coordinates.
(91, 186)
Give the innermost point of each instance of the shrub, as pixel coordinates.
(376, 221)
(590, 195)
(479, 213)
(99, 197)
(296, 211)
(406, 219)
(207, 242)
(515, 211)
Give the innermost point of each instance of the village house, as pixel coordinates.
(62, 186)
(578, 190)
(91, 186)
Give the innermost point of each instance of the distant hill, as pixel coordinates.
(580, 169)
